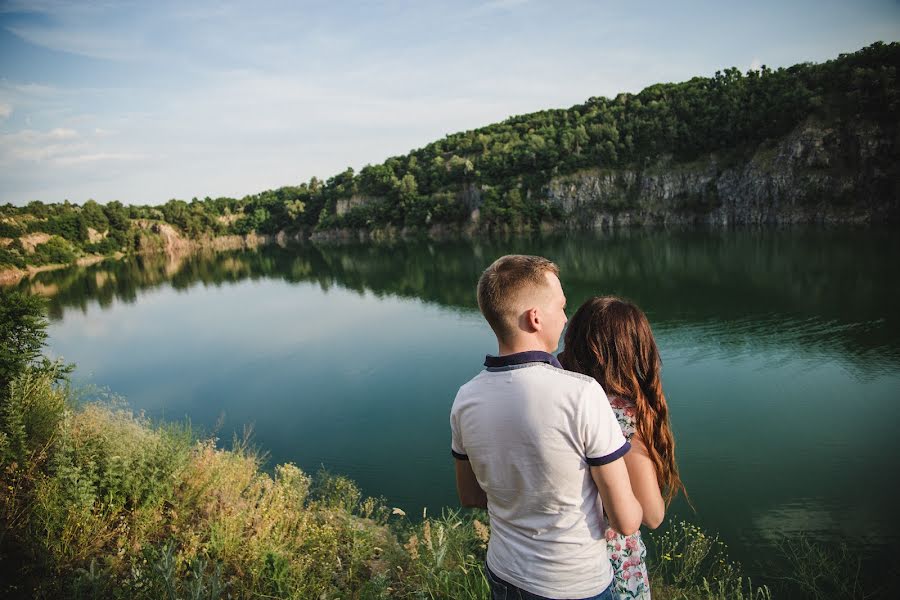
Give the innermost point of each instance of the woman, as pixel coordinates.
(610, 339)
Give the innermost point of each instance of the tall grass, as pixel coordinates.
(99, 502)
(688, 564)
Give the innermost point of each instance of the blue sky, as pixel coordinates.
(146, 101)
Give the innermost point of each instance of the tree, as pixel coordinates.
(22, 333)
(94, 216)
(295, 208)
(408, 190)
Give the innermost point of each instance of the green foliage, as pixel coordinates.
(10, 229)
(94, 216)
(335, 491)
(23, 329)
(56, 250)
(69, 225)
(444, 558)
(12, 258)
(30, 414)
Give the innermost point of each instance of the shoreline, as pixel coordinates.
(172, 243)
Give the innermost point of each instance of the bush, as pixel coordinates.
(10, 229)
(107, 245)
(22, 333)
(11, 258)
(56, 250)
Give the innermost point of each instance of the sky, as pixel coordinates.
(146, 101)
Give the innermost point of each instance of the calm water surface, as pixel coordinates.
(781, 354)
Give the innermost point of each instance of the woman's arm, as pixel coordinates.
(642, 474)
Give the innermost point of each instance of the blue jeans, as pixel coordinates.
(501, 590)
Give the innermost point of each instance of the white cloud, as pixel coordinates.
(94, 44)
(78, 159)
(60, 146)
(31, 137)
(5, 110)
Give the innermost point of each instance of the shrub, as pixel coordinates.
(56, 250)
(22, 333)
(11, 258)
(10, 229)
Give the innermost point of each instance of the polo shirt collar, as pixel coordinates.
(520, 358)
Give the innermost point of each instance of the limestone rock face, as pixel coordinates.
(344, 205)
(816, 174)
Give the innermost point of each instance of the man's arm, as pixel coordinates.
(622, 508)
(470, 493)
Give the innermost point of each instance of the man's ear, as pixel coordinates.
(530, 321)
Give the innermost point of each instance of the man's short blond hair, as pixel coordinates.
(502, 284)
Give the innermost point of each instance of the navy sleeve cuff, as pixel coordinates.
(605, 460)
(458, 456)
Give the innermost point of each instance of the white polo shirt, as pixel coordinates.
(530, 431)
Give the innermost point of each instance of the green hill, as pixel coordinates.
(808, 143)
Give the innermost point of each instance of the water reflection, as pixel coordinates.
(814, 292)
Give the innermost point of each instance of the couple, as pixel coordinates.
(569, 459)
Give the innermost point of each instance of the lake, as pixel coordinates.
(781, 361)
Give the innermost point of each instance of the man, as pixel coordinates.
(534, 444)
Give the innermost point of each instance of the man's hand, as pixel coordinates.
(470, 493)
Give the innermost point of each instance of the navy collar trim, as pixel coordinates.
(520, 358)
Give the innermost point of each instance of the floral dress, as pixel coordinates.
(627, 552)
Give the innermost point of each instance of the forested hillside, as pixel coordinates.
(810, 142)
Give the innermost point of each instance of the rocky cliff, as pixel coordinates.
(817, 174)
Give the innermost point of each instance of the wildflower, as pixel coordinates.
(398, 511)
(482, 531)
(426, 534)
(412, 547)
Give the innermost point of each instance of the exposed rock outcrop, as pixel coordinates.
(814, 175)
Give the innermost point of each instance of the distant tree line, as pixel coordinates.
(507, 165)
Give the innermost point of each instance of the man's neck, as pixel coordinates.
(520, 346)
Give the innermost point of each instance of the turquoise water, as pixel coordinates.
(781, 354)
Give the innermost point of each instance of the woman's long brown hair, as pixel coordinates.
(610, 339)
